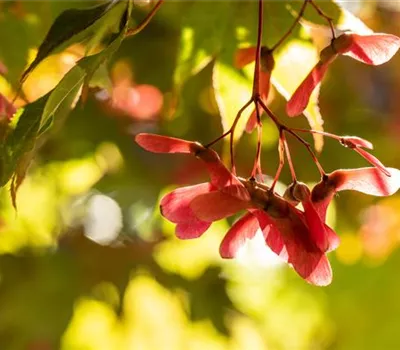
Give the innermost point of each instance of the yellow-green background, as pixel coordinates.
(146, 289)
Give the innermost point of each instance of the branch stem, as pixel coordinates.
(325, 16)
(145, 21)
(290, 30)
(289, 158)
(310, 151)
(281, 151)
(257, 161)
(319, 132)
(256, 78)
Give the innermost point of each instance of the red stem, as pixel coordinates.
(290, 131)
(218, 138)
(308, 147)
(257, 161)
(232, 134)
(270, 114)
(289, 158)
(281, 151)
(256, 90)
(254, 98)
(145, 21)
(256, 79)
(324, 133)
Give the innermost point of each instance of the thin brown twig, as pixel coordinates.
(281, 151)
(256, 89)
(254, 97)
(296, 21)
(218, 139)
(232, 134)
(283, 145)
(327, 18)
(226, 133)
(310, 151)
(289, 158)
(323, 133)
(145, 21)
(281, 126)
(257, 161)
(270, 114)
(256, 78)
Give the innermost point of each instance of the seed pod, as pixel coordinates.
(343, 43)
(288, 195)
(325, 188)
(267, 60)
(301, 192)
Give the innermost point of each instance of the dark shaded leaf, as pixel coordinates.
(65, 27)
(70, 85)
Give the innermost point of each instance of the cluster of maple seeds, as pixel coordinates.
(300, 237)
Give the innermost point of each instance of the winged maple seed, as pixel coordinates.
(366, 180)
(299, 237)
(357, 144)
(373, 49)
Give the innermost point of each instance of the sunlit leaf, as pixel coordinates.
(68, 87)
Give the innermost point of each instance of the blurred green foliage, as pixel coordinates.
(87, 261)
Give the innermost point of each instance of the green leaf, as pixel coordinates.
(67, 89)
(18, 148)
(72, 82)
(101, 78)
(22, 138)
(65, 28)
